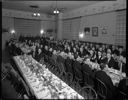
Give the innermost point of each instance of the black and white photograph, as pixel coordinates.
(94, 31)
(104, 30)
(87, 30)
(62, 49)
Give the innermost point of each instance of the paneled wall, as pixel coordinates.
(27, 27)
(8, 16)
(71, 28)
(107, 20)
(120, 35)
(47, 22)
(107, 14)
(66, 29)
(75, 26)
(7, 23)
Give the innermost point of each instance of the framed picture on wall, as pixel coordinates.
(87, 30)
(104, 30)
(94, 31)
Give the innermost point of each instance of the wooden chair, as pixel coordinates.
(62, 71)
(76, 86)
(101, 89)
(122, 96)
(122, 89)
(42, 61)
(24, 89)
(69, 78)
(77, 72)
(88, 93)
(87, 80)
(68, 64)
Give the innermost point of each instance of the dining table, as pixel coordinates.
(114, 74)
(42, 82)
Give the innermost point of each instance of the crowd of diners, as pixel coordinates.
(105, 55)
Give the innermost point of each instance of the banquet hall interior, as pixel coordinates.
(64, 50)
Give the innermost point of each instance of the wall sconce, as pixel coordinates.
(13, 31)
(41, 31)
(81, 35)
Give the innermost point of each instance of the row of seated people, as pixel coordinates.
(80, 71)
(111, 57)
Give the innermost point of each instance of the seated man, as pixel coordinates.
(123, 86)
(88, 70)
(111, 62)
(123, 67)
(101, 74)
(39, 55)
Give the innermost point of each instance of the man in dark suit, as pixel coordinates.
(68, 64)
(111, 62)
(123, 86)
(98, 57)
(77, 72)
(85, 68)
(39, 55)
(123, 66)
(111, 92)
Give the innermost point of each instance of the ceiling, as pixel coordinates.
(45, 6)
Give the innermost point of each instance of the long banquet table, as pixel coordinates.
(43, 83)
(114, 74)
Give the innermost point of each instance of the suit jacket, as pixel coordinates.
(123, 86)
(107, 81)
(125, 69)
(38, 56)
(18, 51)
(113, 63)
(68, 64)
(87, 69)
(77, 69)
(98, 59)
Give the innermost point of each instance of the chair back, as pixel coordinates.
(51, 61)
(76, 86)
(122, 96)
(88, 93)
(88, 79)
(69, 77)
(68, 64)
(77, 70)
(62, 68)
(123, 89)
(54, 57)
(42, 60)
(101, 88)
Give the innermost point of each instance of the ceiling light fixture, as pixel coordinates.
(35, 7)
(56, 11)
(36, 14)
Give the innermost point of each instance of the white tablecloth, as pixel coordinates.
(43, 88)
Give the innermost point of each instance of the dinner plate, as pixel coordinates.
(28, 74)
(45, 94)
(64, 84)
(38, 87)
(34, 82)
